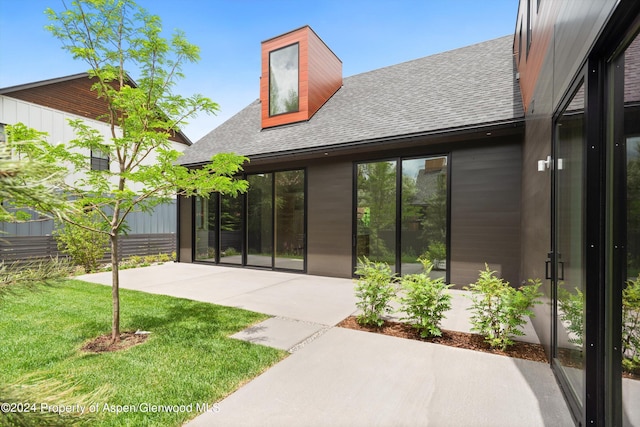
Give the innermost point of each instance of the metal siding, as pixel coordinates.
(485, 212)
(329, 219)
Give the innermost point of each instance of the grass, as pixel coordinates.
(187, 360)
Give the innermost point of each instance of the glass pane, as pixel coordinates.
(289, 220)
(260, 220)
(231, 229)
(424, 214)
(376, 212)
(631, 292)
(570, 206)
(283, 80)
(206, 224)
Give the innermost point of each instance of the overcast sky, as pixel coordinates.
(364, 34)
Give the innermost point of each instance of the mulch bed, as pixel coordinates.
(520, 350)
(103, 343)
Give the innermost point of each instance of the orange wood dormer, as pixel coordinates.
(301, 57)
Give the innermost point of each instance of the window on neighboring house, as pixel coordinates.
(283, 80)
(99, 161)
(529, 24)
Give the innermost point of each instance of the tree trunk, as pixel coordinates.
(115, 289)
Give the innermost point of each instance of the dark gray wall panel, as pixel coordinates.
(329, 217)
(485, 212)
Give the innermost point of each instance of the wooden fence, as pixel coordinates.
(29, 247)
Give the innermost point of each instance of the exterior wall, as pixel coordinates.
(485, 212)
(563, 34)
(329, 219)
(325, 73)
(320, 75)
(569, 27)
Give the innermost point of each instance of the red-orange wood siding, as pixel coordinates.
(319, 75)
(529, 64)
(72, 96)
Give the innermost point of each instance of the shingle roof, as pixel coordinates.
(462, 88)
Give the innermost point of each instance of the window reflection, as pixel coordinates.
(283, 80)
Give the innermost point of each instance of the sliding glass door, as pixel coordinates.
(266, 227)
(569, 254)
(401, 213)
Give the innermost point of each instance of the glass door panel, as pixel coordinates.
(289, 220)
(231, 230)
(424, 215)
(569, 245)
(631, 288)
(206, 227)
(260, 220)
(376, 212)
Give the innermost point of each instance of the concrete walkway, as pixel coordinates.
(341, 377)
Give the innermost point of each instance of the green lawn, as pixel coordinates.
(187, 360)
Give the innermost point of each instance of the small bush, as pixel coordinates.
(425, 300)
(498, 309)
(571, 307)
(374, 289)
(631, 325)
(86, 248)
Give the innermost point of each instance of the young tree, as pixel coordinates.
(115, 37)
(27, 180)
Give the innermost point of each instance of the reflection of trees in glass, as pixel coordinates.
(273, 93)
(290, 213)
(283, 80)
(291, 103)
(230, 213)
(633, 206)
(434, 223)
(259, 214)
(377, 192)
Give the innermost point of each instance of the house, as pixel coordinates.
(383, 164)
(47, 106)
(519, 152)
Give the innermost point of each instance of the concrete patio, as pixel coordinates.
(342, 377)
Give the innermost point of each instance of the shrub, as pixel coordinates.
(374, 289)
(425, 300)
(85, 247)
(498, 309)
(631, 325)
(570, 305)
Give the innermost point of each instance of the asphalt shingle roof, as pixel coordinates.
(461, 88)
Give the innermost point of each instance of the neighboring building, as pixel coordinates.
(47, 106)
(519, 152)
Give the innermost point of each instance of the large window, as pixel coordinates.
(401, 213)
(283, 80)
(266, 227)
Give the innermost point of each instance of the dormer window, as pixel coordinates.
(284, 80)
(299, 74)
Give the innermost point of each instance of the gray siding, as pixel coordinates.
(329, 219)
(485, 212)
(161, 221)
